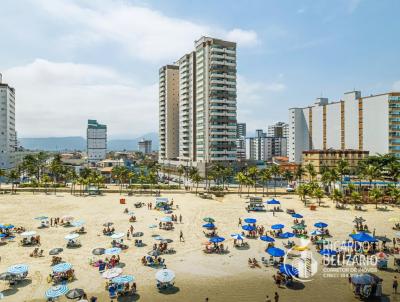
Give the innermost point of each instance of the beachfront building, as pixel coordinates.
(144, 146)
(263, 147)
(241, 141)
(370, 123)
(169, 112)
(8, 135)
(279, 129)
(330, 158)
(96, 141)
(187, 107)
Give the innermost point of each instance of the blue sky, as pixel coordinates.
(73, 60)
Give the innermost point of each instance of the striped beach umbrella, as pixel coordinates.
(56, 291)
(112, 273)
(123, 279)
(71, 236)
(17, 269)
(112, 251)
(62, 267)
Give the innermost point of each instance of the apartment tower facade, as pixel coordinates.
(96, 141)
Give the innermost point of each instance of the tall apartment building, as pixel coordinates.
(278, 135)
(263, 147)
(279, 129)
(169, 112)
(96, 141)
(198, 104)
(368, 123)
(8, 135)
(144, 146)
(187, 107)
(241, 141)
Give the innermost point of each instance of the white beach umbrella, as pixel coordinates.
(71, 236)
(165, 275)
(28, 234)
(117, 235)
(112, 273)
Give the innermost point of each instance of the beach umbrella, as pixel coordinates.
(296, 215)
(108, 224)
(67, 218)
(28, 234)
(277, 226)
(363, 237)
(328, 252)
(112, 251)
(8, 226)
(322, 241)
(250, 220)
(123, 279)
(117, 235)
(383, 238)
(98, 251)
(275, 252)
(17, 269)
(267, 238)
(158, 238)
(56, 291)
(2, 235)
(61, 267)
(216, 239)
(209, 225)
(273, 201)
(299, 227)
(78, 223)
(55, 251)
(7, 276)
(75, 293)
(166, 219)
(112, 273)
(248, 227)
(41, 218)
(154, 253)
(320, 225)
(237, 236)
(209, 219)
(286, 235)
(2, 226)
(288, 270)
(165, 275)
(152, 226)
(71, 236)
(394, 219)
(316, 233)
(362, 279)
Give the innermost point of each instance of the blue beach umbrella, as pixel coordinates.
(248, 227)
(286, 235)
(289, 270)
(237, 237)
(267, 238)
(275, 252)
(328, 252)
(321, 225)
(2, 226)
(362, 279)
(216, 239)
(8, 226)
(166, 219)
(62, 267)
(250, 220)
(56, 291)
(2, 235)
(209, 225)
(363, 237)
(123, 279)
(277, 226)
(273, 201)
(112, 251)
(17, 269)
(316, 233)
(296, 215)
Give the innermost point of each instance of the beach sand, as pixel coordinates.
(219, 277)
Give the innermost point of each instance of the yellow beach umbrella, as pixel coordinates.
(300, 248)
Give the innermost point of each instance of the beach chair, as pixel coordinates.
(112, 293)
(102, 267)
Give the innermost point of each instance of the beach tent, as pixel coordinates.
(275, 252)
(267, 238)
(277, 226)
(288, 270)
(363, 237)
(273, 202)
(250, 220)
(56, 291)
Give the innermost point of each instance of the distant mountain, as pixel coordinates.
(79, 143)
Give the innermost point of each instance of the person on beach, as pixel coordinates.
(267, 299)
(395, 285)
(180, 218)
(276, 297)
(181, 236)
(240, 222)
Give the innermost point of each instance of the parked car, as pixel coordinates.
(290, 189)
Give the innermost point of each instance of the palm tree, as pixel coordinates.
(311, 172)
(196, 178)
(180, 170)
(371, 172)
(318, 194)
(299, 173)
(302, 190)
(275, 171)
(393, 171)
(241, 180)
(355, 197)
(343, 169)
(13, 176)
(334, 177)
(288, 176)
(375, 194)
(337, 196)
(326, 179)
(252, 173)
(394, 193)
(46, 180)
(265, 177)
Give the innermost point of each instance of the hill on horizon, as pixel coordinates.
(78, 143)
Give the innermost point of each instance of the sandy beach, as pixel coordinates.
(198, 275)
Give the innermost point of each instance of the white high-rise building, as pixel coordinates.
(215, 100)
(96, 141)
(169, 112)
(370, 123)
(8, 135)
(279, 129)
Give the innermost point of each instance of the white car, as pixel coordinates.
(290, 189)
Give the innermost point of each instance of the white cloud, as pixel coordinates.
(54, 99)
(141, 31)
